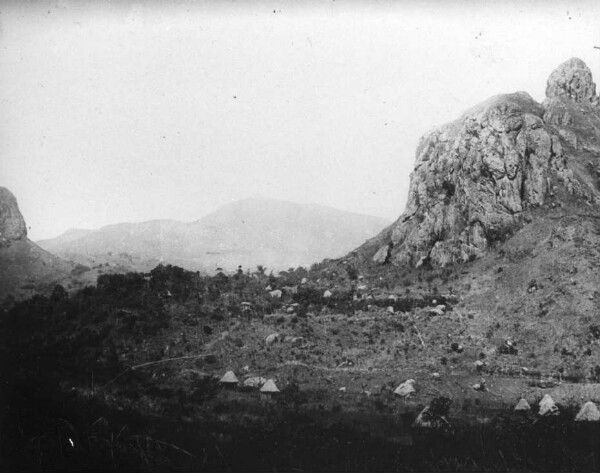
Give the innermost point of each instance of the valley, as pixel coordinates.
(405, 352)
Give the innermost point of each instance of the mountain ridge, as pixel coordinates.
(251, 231)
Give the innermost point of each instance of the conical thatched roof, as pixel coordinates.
(547, 406)
(522, 405)
(427, 419)
(269, 387)
(588, 413)
(229, 378)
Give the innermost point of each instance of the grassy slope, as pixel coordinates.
(26, 268)
(550, 326)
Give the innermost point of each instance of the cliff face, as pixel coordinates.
(12, 224)
(476, 178)
(24, 267)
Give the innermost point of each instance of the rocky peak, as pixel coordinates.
(12, 224)
(571, 107)
(572, 79)
(475, 179)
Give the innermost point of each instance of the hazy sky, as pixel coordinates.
(123, 111)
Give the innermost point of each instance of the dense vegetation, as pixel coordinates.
(74, 400)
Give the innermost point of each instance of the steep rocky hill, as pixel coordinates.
(503, 212)
(25, 268)
(476, 180)
(249, 232)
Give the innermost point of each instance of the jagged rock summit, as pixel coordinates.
(573, 80)
(12, 223)
(476, 179)
(25, 268)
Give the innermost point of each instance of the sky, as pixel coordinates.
(123, 111)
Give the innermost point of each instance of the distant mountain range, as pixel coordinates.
(273, 233)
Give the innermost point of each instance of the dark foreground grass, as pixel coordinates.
(47, 346)
(43, 429)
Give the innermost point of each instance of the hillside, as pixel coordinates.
(477, 180)
(276, 234)
(25, 268)
(484, 293)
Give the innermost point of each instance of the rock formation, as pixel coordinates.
(12, 224)
(475, 179)
(572, 80)
(25, 268)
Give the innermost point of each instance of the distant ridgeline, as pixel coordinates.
(478, 179)
(249, 232)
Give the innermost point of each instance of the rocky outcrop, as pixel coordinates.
(572, 80)
(475, 178)
(25, 268)
(12, 224)
(572, 106)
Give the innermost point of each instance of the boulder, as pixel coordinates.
(327, 294)
(274, 337)
(588, 413)
(255, 382)
(406, 389)
(437, 310)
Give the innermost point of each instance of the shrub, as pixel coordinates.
(440, 406)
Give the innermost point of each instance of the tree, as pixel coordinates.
(59, 294)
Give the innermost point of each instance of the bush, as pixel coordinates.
(440, 406)
(292, 396)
